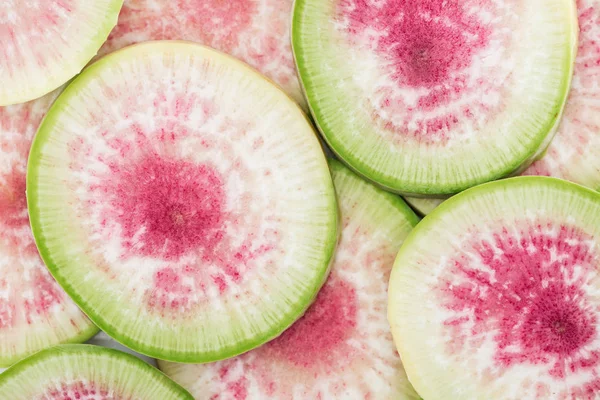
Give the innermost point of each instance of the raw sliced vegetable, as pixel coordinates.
(342, 348)
(84, 372)
(44, 43)
(164, 200)
(574, 154)
(255, 31)
(35, 312)
(495, 295)
(432, 97)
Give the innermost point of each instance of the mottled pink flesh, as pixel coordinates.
(15, 233)
(32, 18)
(179, 204)
(426, 45)
(173, 210)
(532, 301)
(327, 324)
(81, 391)
(315, 344)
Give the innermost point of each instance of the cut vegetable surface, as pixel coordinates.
(496, 294)
(164, 200)
(255, 31)
(85, 372)
(44, 43)
(574, 154)
(34, 310)
(434, 96)
(342, 348)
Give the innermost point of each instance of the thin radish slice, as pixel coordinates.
(255, 31)
(574, 154)
(35, 312)
(496, 294)
(434, 97)
(342, 347)
(84, 372)
(44, 43)
(164, 201)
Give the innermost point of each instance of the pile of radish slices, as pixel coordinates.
(201, 199)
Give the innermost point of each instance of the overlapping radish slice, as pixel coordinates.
(574, 154)
(342, 347)
(84, 372)
(34, 310)
(434, 97)
(44, 43)
(255, 31)
(496, 294)
(165, 201)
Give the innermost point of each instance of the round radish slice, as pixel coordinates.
(434, 97)
(496, 294)
(574, 154)
(342, 347)
(86, 372)
(47, 42)
(35, 312)
(255, 31)
(164, 200)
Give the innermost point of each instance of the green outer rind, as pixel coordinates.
(338, 168)
(86, 55)
(422, 386)
(90, 349)
(423, 205)
(34, 212)
(83, 336)
(389, 183)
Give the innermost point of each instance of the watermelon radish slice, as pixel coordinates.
(164, 201)
(342, 347)
(574, 154)
(47, 42)
(255, 31)
(85, 372)
(432, 97)
(35, 312)
(496, 294)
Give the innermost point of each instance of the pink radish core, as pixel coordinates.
(81, 391)
(13, 202)
(530, 294)
(178, 205)
(432, 80)
(326, 325)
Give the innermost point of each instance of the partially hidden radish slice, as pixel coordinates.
(257, 31)
(432, 97)
(423, 205)
(35, 312)
(164, 200)
(84, 372)
(44, 43)
(342, 348)
(496, 294)
(574, 154)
